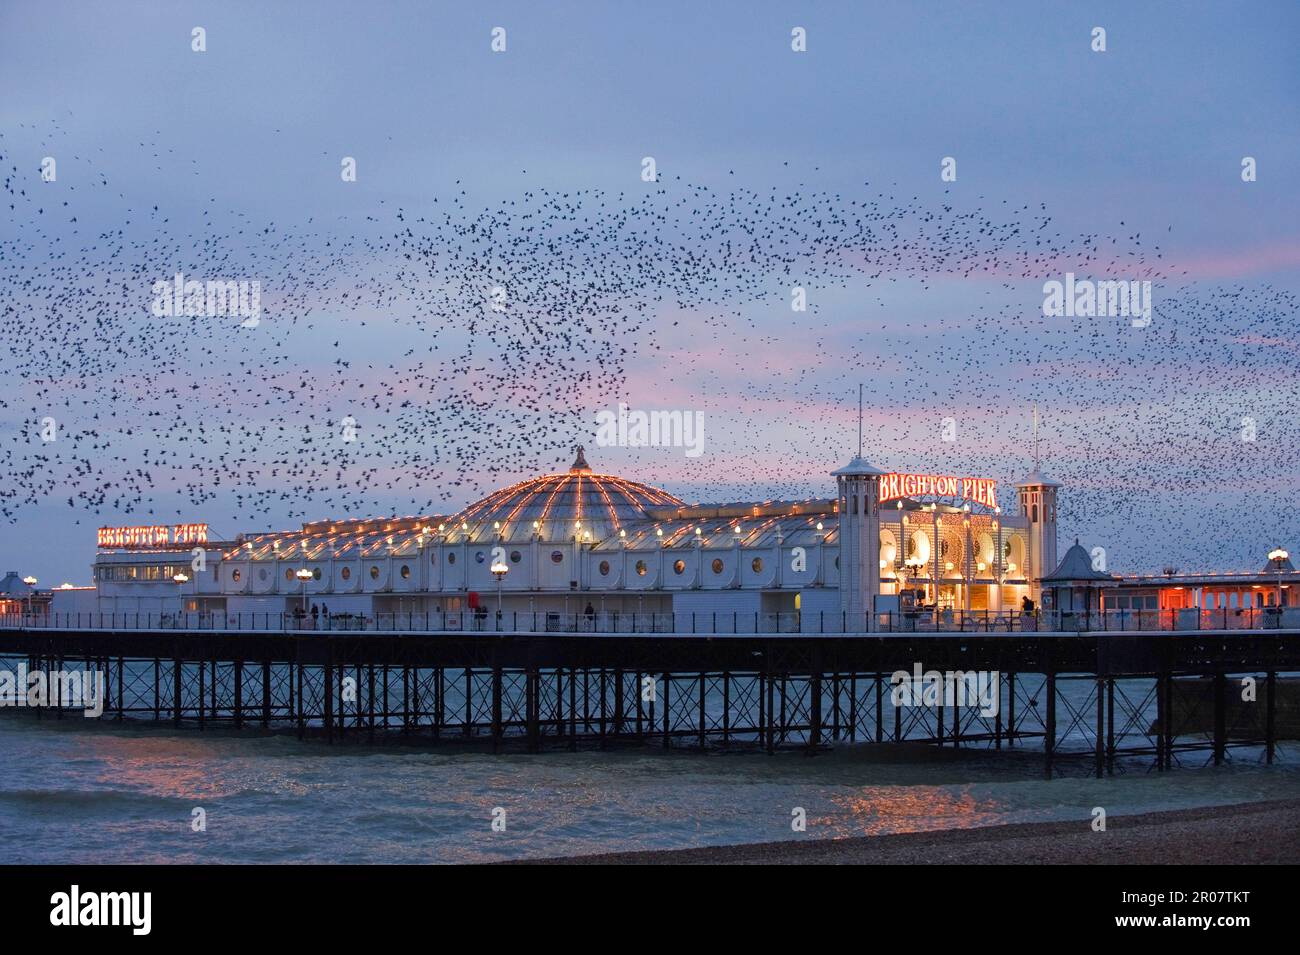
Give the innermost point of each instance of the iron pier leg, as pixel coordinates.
(266, 694)
(1050, 740)
(496, 709)
(1270, 718)
(1220, 717)
(1101, 717)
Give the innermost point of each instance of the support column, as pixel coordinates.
(1050, 739)
(1270, 718)
(1101, 718)
(1220, 717)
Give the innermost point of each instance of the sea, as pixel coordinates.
(74, 792)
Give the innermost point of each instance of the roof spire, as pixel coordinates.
(859, 419)
(1037, 461)
(580, 462)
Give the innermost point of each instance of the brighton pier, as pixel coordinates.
(580, 609)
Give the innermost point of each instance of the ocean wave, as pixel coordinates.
(101, 799)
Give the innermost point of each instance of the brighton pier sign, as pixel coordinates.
(153, 535)
(976, 490)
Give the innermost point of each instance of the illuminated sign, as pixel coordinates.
(977, 490)
(153, 535)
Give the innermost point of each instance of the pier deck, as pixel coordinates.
(1095, 699)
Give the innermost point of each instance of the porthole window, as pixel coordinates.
(717, 565)
(234, 575)
(374, 573)
(479, 558)
(315, 573)
(451, 558)
(679, 566)
(515, 557)
(757, 565)
(405, 572)
(557, 556)
(261, 573)
(288, 574)
(604, 568)
(640, 568)
(346, 573)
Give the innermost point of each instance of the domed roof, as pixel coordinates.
(1077, 565)
(557, 506)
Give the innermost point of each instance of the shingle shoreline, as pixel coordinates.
(1248, 833)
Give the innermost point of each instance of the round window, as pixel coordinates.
(374, 573)
(234, 574)
(757, 565)
(479, 558)
(315, 574)
(640, 567)
(679, 566)
(557, 557)
(346, 573)
(288, 574)
(604, 568)
(406, 572)
(515, 557)
(451, 558)
(717, 565)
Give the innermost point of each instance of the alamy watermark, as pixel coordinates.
(194, 299)
(950, 688)
(1084, 298)
(660, 429)
(74, 689)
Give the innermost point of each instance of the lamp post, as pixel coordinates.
(499, 570)
(304, 575)
(1279, 558)
(31, 585)
(180, 578)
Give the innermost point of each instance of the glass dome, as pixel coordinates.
(559, 507)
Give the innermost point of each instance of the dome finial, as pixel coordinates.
(580, 462)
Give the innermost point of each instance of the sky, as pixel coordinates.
(522, 169)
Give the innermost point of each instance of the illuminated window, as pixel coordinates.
(234, 574)
(604, 568)
(717, 565)
(374, 573)
(557, 556)
(757, 565)
(640, 568)
(405, 572)
(288, 573)
(679, 566)
(346, 573)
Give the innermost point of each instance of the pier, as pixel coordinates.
(1087, 701)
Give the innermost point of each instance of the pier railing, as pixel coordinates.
(687, 622)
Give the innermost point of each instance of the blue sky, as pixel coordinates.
(1146, 138)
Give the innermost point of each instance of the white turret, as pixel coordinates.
(1038, 505)
(858, 485)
